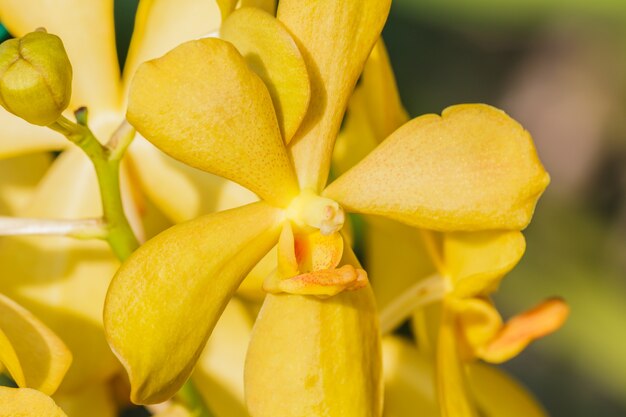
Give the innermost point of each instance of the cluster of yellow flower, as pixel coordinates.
(238, 127)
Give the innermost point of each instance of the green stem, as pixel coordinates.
(120, 235)
(106, 161)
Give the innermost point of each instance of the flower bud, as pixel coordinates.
(35, 77)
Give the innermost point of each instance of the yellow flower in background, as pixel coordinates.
(34, 357)
(471, 169)
(67, 284)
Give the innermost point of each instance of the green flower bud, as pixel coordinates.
(35, 77)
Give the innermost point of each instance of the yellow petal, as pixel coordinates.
(219, 373)
(267, 5)
(202, 105)
(18, 179)
(477, 261)
(478, 322)
(34, 356)
(27, 402)
(94, 400)
(272, 54)
(335, 38)
(86, 29)
(161, 25)
(408, 380)
(378, 84)
(452, 389)
(166, 298)
(19, 137)
(524, 328)
(65, 287)
(182, 192)
(174, 410)
(498, 395)
(396, 258)
(251, 289)
(312, 357)
(226, 7)
(473, 168)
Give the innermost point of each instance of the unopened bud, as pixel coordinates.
(35, 77)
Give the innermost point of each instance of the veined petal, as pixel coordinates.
(182, 192)
(273, 55)
(498, 394)
(65, 288)
(202, 105)
(18, 179)
(94, 400)
(408, 380)
(34, 356)
(87, 31)
(166, 298)
(27, 402)
(219, 373)
(473, 168)
(524, 328)
(161, 25)
(18, 137)
(452, 389)
(312, 357)
(477, 261)
(336, 38)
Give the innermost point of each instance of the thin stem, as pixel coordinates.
(422, 293)
(120, 235)
(81, 228)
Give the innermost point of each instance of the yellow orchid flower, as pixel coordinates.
(34, 357)
(467, 266)
(220, 107)
(67, 286)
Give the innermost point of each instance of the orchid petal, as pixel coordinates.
(20, 137)
(226, 7)
(267, 5)
(335, 38)
(478, 322)
(65, 288)
(87, 31)
(27, 402)
(473, 168)
(452, 390)
(313, 357)
(161, 25)
(273, 55)
(498, 394)
(34, 356)
(197, 192)
(396, 258)
(477, 261)
(408, 380)
(524, 328)
(218, 116)
(18, 179)
(219, 373)
(94, 400)
(196, 266)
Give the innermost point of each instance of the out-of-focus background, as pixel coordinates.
(559, 67)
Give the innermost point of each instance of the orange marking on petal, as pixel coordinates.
(326, 282)
(521, 330)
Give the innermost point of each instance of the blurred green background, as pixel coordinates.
(559, 67)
